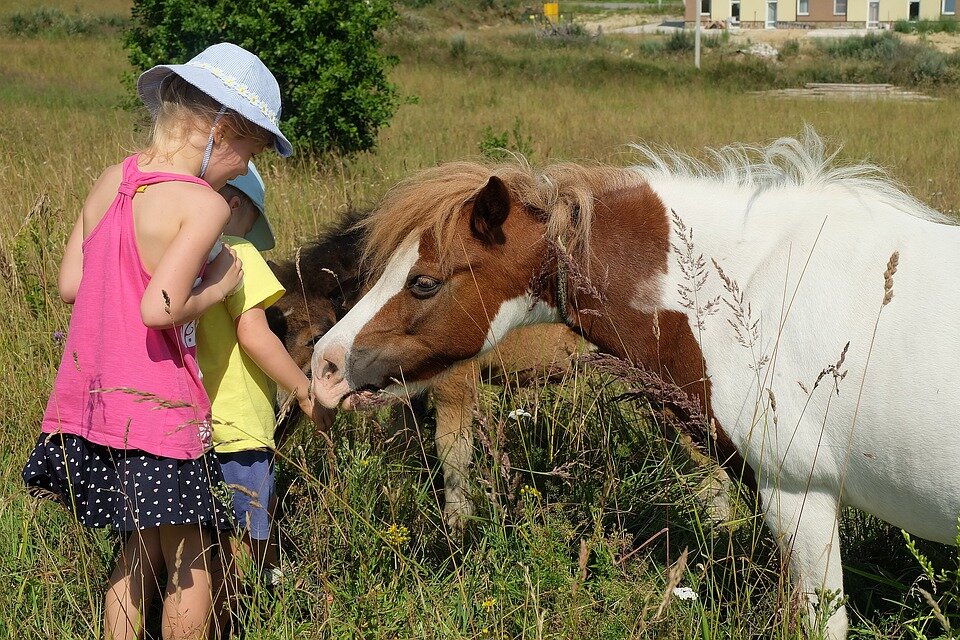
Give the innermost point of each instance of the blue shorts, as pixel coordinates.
(252, 473)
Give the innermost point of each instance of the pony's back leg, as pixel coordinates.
(805, 527)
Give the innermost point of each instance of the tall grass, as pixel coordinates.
(583, 508)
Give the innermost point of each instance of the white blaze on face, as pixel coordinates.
(341, 336)
(518, 312)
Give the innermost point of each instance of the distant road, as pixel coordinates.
(611, 5)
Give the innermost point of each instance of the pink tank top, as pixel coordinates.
(121, 384)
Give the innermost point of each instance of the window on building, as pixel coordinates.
(949, 7)
(803, 7)
(705, 7)
(914, 10)
(839, 7)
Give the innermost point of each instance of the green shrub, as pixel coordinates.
(679, 41)
(789, 49)
(458, 45)
(54, 21)
(882, 47)
(929, 67)
(943, 25)
(563, 32)
(684, 40)
(324, 54)
(496, 146)
(651, 47)
(903, 26)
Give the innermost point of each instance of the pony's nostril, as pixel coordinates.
(330, 369)
(330, 363)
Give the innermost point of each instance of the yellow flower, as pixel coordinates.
(488, 604)
(531, 492)
(396, 534)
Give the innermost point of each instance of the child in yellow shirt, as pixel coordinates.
(242, 362)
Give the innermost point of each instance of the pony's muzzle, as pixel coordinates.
(329, 384)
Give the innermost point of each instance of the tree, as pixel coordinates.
(324, 54)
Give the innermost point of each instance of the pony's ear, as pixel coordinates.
(490, 209)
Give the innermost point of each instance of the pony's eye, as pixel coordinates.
(423, 286)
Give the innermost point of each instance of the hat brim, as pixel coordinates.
(148, 87)
(261, 234)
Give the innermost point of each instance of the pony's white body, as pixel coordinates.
(878, 431)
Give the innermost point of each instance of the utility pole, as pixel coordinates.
(696, 33)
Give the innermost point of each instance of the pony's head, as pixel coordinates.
(322, 283)
(458, 250)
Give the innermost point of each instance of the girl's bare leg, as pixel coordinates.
(188, 602)
(225, 584)
(132, 585)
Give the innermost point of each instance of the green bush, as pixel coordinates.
(929, 67)
(882, 47)
(904, 26)
(56, 22)
(651, 47)
(944, 25)
(679, 41)
(790, 49)
(458, 45)
(497, 147)
(324, 54)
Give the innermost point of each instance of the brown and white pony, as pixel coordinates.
(810, 308)
(323, 281)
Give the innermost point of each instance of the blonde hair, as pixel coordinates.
(430, 201)
(184, 109)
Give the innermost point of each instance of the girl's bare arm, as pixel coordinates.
(170, 297)
(71, 266)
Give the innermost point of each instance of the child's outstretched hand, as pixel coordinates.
(226, 271)
(321, 416)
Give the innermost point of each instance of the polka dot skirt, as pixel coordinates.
(127, 489)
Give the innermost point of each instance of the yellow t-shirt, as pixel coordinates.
(241, 394)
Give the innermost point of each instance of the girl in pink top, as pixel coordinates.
(126, 433)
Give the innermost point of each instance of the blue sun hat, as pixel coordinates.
(251, 184)
(232, 76)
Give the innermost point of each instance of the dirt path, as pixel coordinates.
(625, 21)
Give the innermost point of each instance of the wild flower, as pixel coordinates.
(516, 414)
(745, 326)
(396, 534)
(693, 266)
(59, 337)
(531, 492)
(488, 604)
(684, 593)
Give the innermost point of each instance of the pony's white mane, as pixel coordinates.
(784, 163)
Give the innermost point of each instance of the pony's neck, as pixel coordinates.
(617, 298)
(615, 293)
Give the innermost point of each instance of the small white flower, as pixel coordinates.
(516, 414)
(685, 593)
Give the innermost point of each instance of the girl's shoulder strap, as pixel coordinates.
(134, 178)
